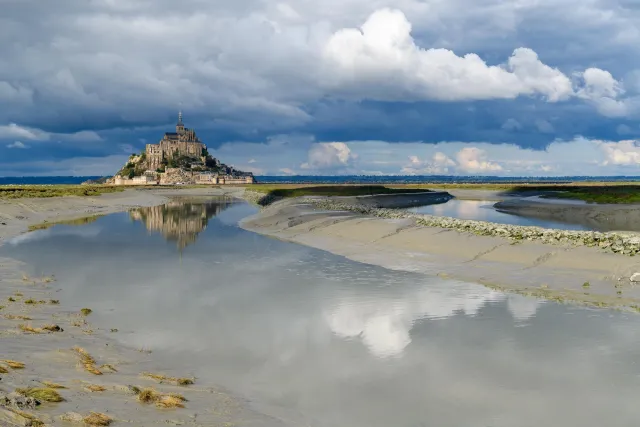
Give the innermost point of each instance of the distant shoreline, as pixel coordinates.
(358, 179)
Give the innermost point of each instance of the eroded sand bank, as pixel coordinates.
(32, 302)
(565, 270)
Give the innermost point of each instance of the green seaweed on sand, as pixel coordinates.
(43, 394)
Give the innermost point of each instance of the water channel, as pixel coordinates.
(483, 210)
(318, 340)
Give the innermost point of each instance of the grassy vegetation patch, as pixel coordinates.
(22, 191)
(78, 221)
(330, 190)
(41, 394)
(591, 192)
(615, 194)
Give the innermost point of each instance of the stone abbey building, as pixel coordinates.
(178, 158)
(182, 142)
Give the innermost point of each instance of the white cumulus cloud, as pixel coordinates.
(603, 90)
(473, 160)
(439, 163)
(382, 58)
(13, 130)
(328, 155)
(626, 152)
(18, 144)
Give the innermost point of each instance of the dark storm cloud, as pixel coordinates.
(248, 70)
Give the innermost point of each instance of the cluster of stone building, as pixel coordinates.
(177, 176)
(182, 143)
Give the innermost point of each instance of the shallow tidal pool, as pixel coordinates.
(483, 210)
(314, 339)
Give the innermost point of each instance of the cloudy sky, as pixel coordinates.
(460, 87)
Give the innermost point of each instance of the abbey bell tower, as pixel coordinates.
(180, 125)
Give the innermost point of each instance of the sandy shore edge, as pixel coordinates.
(582, 267)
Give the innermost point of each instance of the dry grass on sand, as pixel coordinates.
(87, 361)
(13, 364)
(93, 419)
(165, 378)
(53, 385)
(46, 328)
(33, 420)
(97, 419)
(161, 400)
(95, 388)
(16, 317)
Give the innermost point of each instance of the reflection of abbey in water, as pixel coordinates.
(178, 221)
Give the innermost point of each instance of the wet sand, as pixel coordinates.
(49, 356)
(563, 272)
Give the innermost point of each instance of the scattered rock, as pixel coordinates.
(11, 418)
(72, 417)
(18, 401)
(635, 277)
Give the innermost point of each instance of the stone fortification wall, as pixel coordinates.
(173, 176)
(167, 148)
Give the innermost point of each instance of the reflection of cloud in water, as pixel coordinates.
(466, 209)
(383, 324)
(85, 232)
(521, 307)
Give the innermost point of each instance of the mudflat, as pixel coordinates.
(562, 271)
(59, 345)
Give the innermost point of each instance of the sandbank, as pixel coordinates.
(566, 270)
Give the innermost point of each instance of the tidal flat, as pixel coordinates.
(275, 333)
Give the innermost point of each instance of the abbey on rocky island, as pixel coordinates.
(182, 142)
(178, 158)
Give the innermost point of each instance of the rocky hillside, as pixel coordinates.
(137, 165)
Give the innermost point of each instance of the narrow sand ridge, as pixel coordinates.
(561, 271)
(41, 332)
